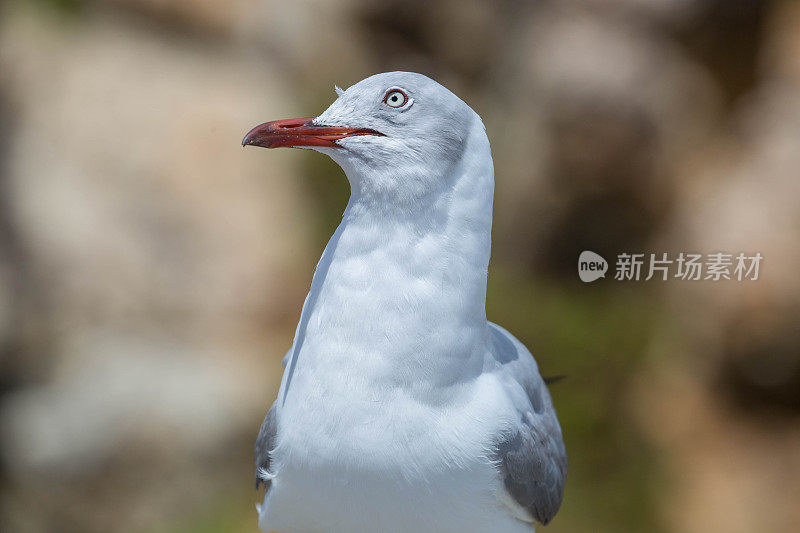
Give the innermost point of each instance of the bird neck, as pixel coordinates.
(394, 292)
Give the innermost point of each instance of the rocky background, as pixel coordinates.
(152, 272)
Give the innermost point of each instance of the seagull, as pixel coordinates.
(401, 408)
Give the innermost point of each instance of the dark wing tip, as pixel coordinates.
(549, 380)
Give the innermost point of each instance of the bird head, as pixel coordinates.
(397, 135)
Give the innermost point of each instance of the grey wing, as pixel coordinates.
(265, 443)
(533, 464)
(532, 458)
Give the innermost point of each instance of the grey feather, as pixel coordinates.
(534, 465)
(532, 459)
(265, 443)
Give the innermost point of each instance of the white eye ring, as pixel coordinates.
(395, 98)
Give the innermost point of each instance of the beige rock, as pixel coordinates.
(163, 248)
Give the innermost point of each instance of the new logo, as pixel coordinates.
(591, 266)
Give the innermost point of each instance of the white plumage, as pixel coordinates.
(401, 408)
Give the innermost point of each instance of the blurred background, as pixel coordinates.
(152, 272)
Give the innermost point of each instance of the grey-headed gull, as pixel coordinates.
(401, 408)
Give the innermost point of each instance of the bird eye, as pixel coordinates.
(395, 98)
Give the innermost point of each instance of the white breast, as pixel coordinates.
(400, 465)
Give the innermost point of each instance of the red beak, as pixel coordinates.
(295, 132)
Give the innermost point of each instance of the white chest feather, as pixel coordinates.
(390, 463)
